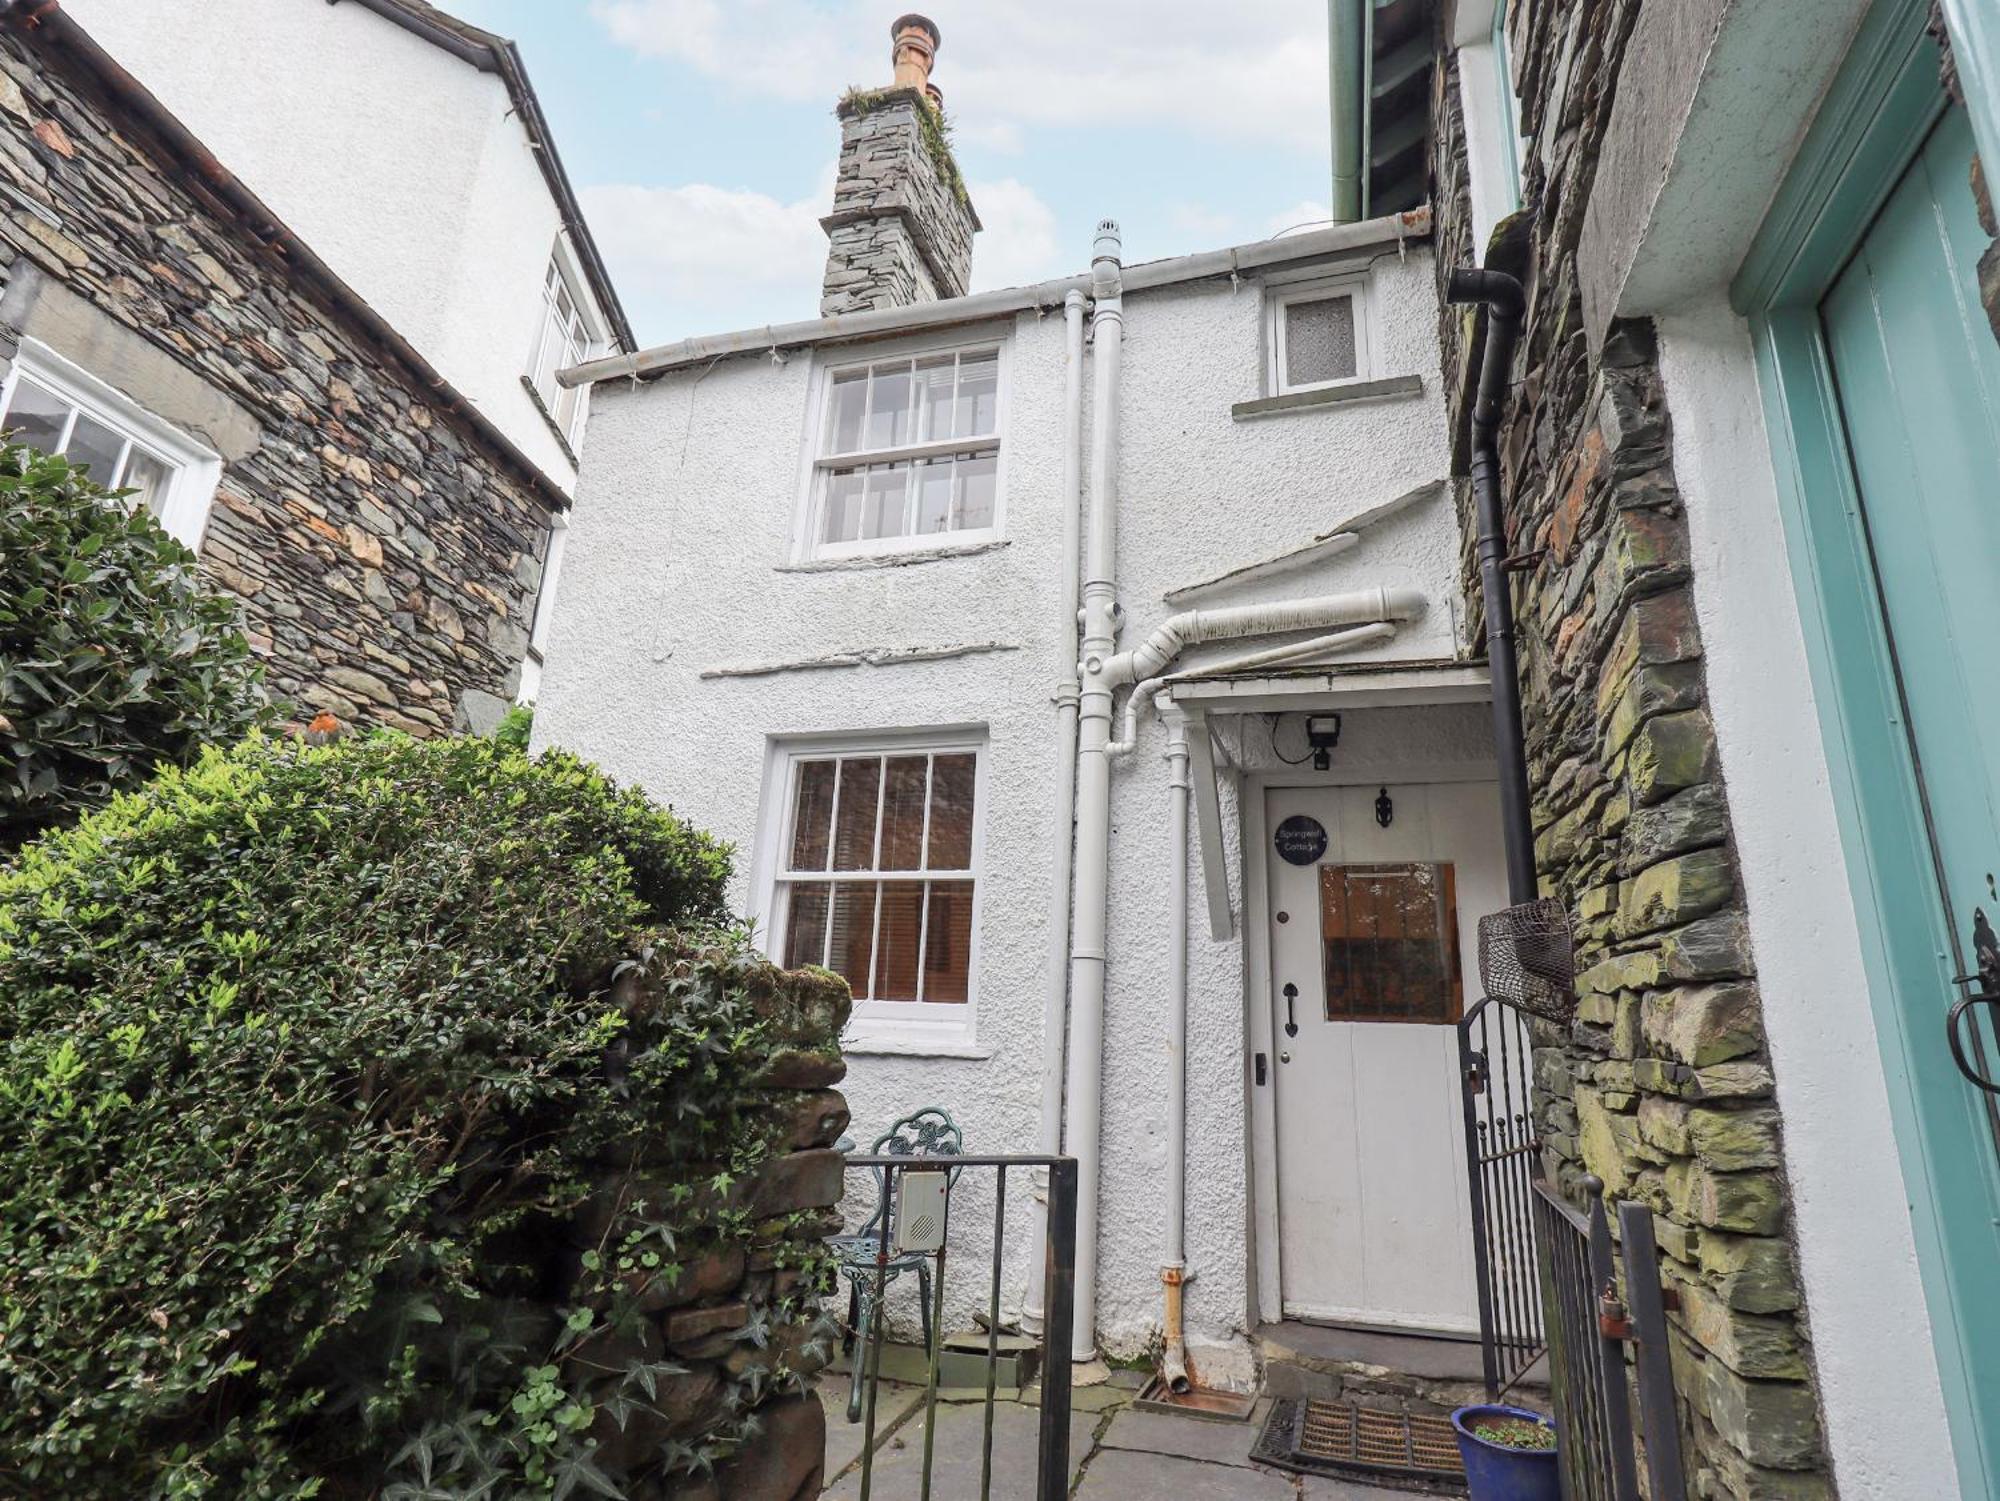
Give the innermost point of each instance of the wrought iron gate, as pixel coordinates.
(1496, 1070)
(1589, 1326)
(1052, 1459)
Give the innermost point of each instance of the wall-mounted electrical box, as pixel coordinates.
(920, 1201)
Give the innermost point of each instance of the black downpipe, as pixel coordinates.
(1501, 296)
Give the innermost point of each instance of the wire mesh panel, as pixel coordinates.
(1527, 958)
(1496, 1065)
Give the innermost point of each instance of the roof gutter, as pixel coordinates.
(497, 55)
(46, 24)
(979, 307)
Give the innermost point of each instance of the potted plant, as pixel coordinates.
(1509, 1453)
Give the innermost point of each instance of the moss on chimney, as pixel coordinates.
(932, 128)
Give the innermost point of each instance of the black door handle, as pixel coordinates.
(1262, 1068)
(1291, 1009)
(1954, 1033)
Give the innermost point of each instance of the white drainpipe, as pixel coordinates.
(1191, 628)
(1102, 673)
(1093, 780)
(1055, 1009)
(1273, 656)
(1173, 1272)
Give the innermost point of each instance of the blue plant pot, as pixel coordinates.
(1494, 1472)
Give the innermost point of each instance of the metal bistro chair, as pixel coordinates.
(929, 1132)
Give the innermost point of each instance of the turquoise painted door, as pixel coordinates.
(1918, 376)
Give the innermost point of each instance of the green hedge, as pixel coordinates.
(304, 1056)
(114, 655)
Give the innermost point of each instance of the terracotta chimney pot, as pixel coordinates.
(914, 44)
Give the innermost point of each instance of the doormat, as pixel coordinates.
(1410, 1451)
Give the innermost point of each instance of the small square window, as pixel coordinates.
(1317, 337)
(877, 878)
(1319, 341)
(906, 451)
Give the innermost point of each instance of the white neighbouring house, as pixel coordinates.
(822, 594)
(408, 149)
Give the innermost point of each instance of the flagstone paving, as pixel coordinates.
(1116, 1453)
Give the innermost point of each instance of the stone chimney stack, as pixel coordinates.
(902, 225)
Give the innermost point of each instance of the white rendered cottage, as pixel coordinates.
(823, 591)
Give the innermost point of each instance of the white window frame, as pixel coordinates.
(1279, 297)
(918, 1027)
(1494, 146)
(806, 546)
(197, 470)
(562, 263)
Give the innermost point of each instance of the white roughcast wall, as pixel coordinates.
(677, 563)
(402, 166)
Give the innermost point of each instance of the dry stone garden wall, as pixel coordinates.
(1662, 1087)
(387, 556)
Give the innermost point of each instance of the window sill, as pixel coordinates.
(901, 558)
(1393, 387)
(549, 417)
(890, 1045)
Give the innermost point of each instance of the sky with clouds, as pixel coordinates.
(701, 138)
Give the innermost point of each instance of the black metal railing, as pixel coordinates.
(1496, 1072)
(1052, 1459)
(1589, 1327)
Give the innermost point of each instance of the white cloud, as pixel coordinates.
(1017, 243)
(692, 256)
(1253, 70)
(699, 259)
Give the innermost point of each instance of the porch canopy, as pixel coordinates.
(1317, 690)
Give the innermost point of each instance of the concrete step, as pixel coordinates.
(1379, 1368)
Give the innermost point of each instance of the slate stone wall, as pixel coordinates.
(901, 227)
(1663, 1086)
(387, 560)
(739, 1321)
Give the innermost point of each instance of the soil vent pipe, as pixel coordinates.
(1085, 1069)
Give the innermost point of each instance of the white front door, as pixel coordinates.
(1373, 933)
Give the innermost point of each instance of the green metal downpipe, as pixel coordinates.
(1347, 66)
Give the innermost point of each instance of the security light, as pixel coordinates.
(1322, 734)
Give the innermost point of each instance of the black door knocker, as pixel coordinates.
(1291, 1009)
(1385, 808)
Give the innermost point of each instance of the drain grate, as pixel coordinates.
(1413, 1450)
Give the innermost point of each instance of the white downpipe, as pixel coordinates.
(1339, 641)
(1173, 1271)
(1101, 673)
(1093, 781)
(1055, 999)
